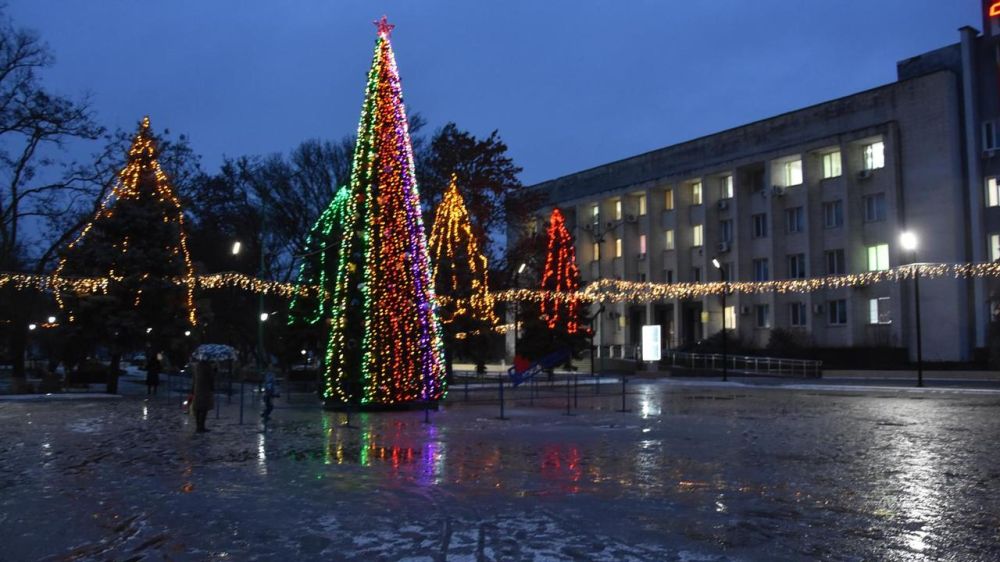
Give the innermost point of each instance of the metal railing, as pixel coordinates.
(744, 364)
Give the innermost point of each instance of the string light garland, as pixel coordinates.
(460, 267)
(385, 342)
(141, 181)
(560, 278)
(319, 262)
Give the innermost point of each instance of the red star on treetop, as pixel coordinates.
(384, 27)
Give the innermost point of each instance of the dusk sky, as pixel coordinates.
(570, 85)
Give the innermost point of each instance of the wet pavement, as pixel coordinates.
(690, 474)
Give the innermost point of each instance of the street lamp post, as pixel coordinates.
(517, 306)
(909, 242)
(725, 289)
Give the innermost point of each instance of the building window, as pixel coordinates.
(793, 173)
(760, 270)
(697, 235)
(992, 192)
(760, 225)
(641, 277)
(668, 276)
(726, 187)
(831, 165)
(994, 247)
(836, 312)
(668, 240)
(797, 314)
(794, 220)
(833, 214)
(797, 266)
(597, 251)
(875, 207)
(621, 322)
(668, 200)
(878, 257)
(618, 247)
(729, 318)
(642, 244)
(696, 275)
(642, 205)
(595, 213)
(991, 138)
(835, 263)
(726, 231)
(696, 193)
(878, 311)
(874, 155)
(763, 314)
(618, 210)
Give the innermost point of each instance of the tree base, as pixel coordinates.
(338, 406)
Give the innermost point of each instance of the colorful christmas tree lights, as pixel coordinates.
(560, 275)
(319, 262)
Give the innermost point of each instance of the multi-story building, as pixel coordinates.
(823, 190)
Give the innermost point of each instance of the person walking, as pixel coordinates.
(270, 392)
(153, 368)
(203, 387)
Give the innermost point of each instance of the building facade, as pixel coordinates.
(824, 190)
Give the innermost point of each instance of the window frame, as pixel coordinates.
(833, 165)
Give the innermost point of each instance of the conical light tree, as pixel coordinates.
(137, 242)
(561, 323)
(385, 343)
(319, 263)
(461, 279)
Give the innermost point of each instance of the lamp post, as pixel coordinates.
(517, 305)
(725, 289)
(908, 240)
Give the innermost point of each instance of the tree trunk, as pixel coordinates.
(112, 385)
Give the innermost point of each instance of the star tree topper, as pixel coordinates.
(384, 27)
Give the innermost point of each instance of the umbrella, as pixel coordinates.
(214, 352)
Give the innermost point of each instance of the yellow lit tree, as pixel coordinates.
(461, 280)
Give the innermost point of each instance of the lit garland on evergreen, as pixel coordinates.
(560, 277)
(319, 262)
(142, 163)
(460, 268)
(385, 342)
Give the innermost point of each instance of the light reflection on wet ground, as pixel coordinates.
(688, 474)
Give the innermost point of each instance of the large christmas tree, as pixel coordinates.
(561, 322)
(137, 241)
(461, 278)
(385, 343)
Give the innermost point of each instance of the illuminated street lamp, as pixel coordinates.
(264, 316)
(725, 289)
(237, 246)
(908, 240)
(32, 326)
(517, 304)
(52, 319)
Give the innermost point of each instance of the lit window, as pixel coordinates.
(621, 322)
(793, 173)
(875, 207)
(596, 213)
(794, 220)
(878, 311)
(835, 263)
(618, 209)
(668, 200)
(642, 205)
(726, 187)
(833, 214)
(618, 247)
(874, 155)
(878, 257)
(763, 314)
(696, 193)
(760, 226)
(831, 165)
(797, 266)
(760, 270)
(992, 192)
(836, 312)
(729, 318)
(994, 247)
(697, 235)
(642, 244)
(797, 314)
(597, 251)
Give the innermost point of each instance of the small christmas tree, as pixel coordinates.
(461, 279)
(319, 263)
(137, 241)
(561, 323)
(385, 343)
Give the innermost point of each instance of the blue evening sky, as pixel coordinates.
(569, 84)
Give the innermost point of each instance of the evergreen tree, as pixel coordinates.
(562, 320)
(461, 281)
(137, 242)
(319, 263)
(385, 343)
